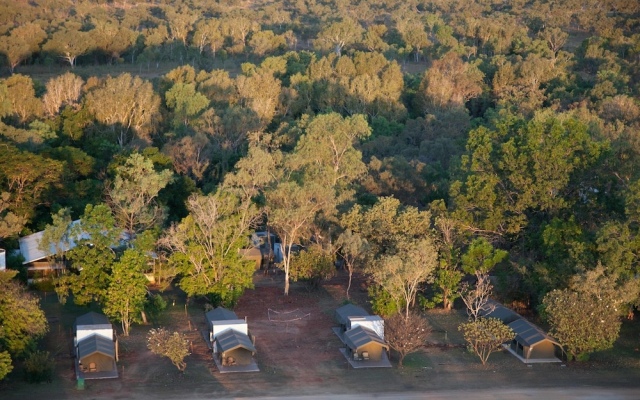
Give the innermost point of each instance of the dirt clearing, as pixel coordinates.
(298, 354)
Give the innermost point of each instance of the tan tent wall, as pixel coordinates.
(374, 349)
(103, 362)
(240, 355)
(542, 350)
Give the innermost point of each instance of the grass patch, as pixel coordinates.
(417, 360)
(444, 326)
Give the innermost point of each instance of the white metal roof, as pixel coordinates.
(29, 246)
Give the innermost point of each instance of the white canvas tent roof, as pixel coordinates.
(493, 309)
(29, 245)
(220, 314)
(349, 310)
(92, 318)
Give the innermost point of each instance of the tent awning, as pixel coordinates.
(96, 344)
(231, 340)
(360, 336)
(528, 334)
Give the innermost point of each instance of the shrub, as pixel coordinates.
(38, 367)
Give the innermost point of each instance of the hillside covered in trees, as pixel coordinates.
(421, 142)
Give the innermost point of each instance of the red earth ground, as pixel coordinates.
(302, 357)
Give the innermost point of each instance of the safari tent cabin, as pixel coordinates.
(37, 261)
(493, 309)
(96, 347)
(96, 356)
(230, 340)
(221, 319)
(532, 344)
(364, 344)
(343, 313)
(252, 254)
(234, 348)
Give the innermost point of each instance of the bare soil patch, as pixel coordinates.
(302, 357)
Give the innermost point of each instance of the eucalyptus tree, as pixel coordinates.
(205, 245)
(518, 167)
(21, 318)
(127, 290)
(69, 44)
(403, 252)
(337, 35)
(208, 36)
(21, 43)
(64, 89)
(133, 192)
(127, 104)
(21, 94)
(92, 258)
(25, 179)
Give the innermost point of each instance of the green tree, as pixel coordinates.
(582, 323)
(353, 250)
(62, 90)
(205, 245)
(22, 42)
(586, 317)
(327, 151)
(22, 95)
(125, 102)
(181, 23)
(25, 179)
(208, 36)
(174, 346)
(21, 320)
(127, 291)
(401, 273)
(518, 168)
(485, 336)
(292, 209)
(416, 37)
(10, 223)
(404, 255)
(481, 257)
(56, 237)
(264, 42)
(93, 257)
(312, 265)
(450, 83)
(185, 102)
(111, 38)
(259, 91)
(5, 364)
(69, 44)
(133, 192)
(339, 34)
(447, 279)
